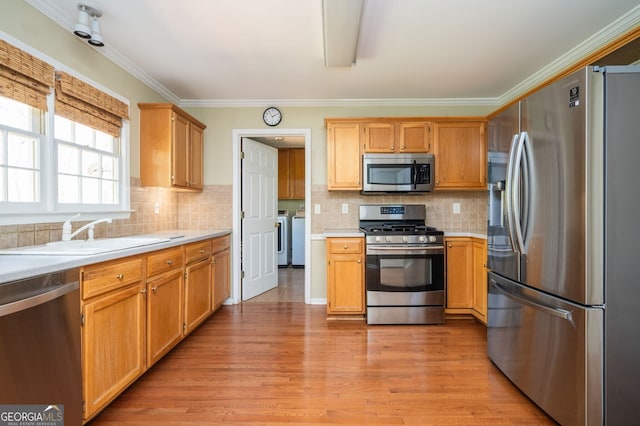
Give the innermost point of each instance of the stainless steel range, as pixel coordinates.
(404, 275)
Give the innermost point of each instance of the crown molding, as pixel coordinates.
(620, 27)
(247, 103)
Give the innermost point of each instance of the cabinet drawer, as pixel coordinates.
(196, 251)
(164, 260)
(345, 245)
(220, 243)
(104, 277)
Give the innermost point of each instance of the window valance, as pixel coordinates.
(83, 103)
(23, 77)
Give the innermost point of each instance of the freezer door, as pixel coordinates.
(557, 191)
(502, 130)
(550, 349)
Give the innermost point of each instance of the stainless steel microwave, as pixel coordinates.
(397, 173)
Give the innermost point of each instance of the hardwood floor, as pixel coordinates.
(282, 362)
(290, 287)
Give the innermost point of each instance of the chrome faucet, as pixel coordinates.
(66, 228)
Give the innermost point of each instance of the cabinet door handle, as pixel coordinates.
(359, 260)
(154, 289)
(391, 149)
(346, 247)
(402, 148)
(201, 251)
(170, 262)
(120, 276)
(449, 245)
(143, 291)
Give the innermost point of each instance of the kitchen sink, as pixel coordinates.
(85, 247)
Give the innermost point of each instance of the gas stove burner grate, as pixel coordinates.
(400, 228)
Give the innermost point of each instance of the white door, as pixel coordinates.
(259, 225)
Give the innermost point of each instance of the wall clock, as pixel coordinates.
(272, 116)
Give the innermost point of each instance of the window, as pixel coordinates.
(63, 145)
(87, 164)
(21, 141)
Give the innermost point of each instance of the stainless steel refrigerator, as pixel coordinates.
(563, 311)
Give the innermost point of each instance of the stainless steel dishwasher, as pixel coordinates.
(40, 343)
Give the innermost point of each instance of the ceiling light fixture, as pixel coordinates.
(341, 30)
(88, 26)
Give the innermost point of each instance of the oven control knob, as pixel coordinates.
(432, 238)
(388, 238)
(422, 239)
(405, 239)
(377, 239)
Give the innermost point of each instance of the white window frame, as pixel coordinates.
(48, 210)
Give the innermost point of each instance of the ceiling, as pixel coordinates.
(409, 52)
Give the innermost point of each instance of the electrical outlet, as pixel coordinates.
(316, 208)
(456, 208)
(156, 208)
(345, 208)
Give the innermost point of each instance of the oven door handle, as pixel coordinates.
(405, 250)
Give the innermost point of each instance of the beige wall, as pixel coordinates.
(221, 122)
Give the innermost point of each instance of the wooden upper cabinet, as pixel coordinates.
(379, 137)
(291, 173)
(344, 161)
(460, 150)
(196, 152)
(283, 174)
(414, 136)
(171, 147)
(180, 151)
(401, 137)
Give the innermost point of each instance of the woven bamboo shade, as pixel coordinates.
(83, 103)
(23, 77)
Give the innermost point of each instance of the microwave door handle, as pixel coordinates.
(415, 174)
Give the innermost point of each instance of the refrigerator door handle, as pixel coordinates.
(556, 312)
(509, 190)
(516, 199)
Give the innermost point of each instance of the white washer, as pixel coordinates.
(297, 241)
(284, 239)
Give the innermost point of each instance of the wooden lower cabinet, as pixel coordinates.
(197, 294)
(164, 314)
(459, 273)
(113, 345)
(221, 273)
(466, 276)
(345, 275)
(136, 309)
(480, 288)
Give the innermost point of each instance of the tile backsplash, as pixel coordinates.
(212, 209)
(472, 216)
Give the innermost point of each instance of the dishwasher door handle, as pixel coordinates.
(39, 299)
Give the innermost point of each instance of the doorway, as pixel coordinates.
(258, 134)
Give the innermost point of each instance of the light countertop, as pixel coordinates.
(354, 232)
(16, 266)
(342, 232)
(472, 234)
